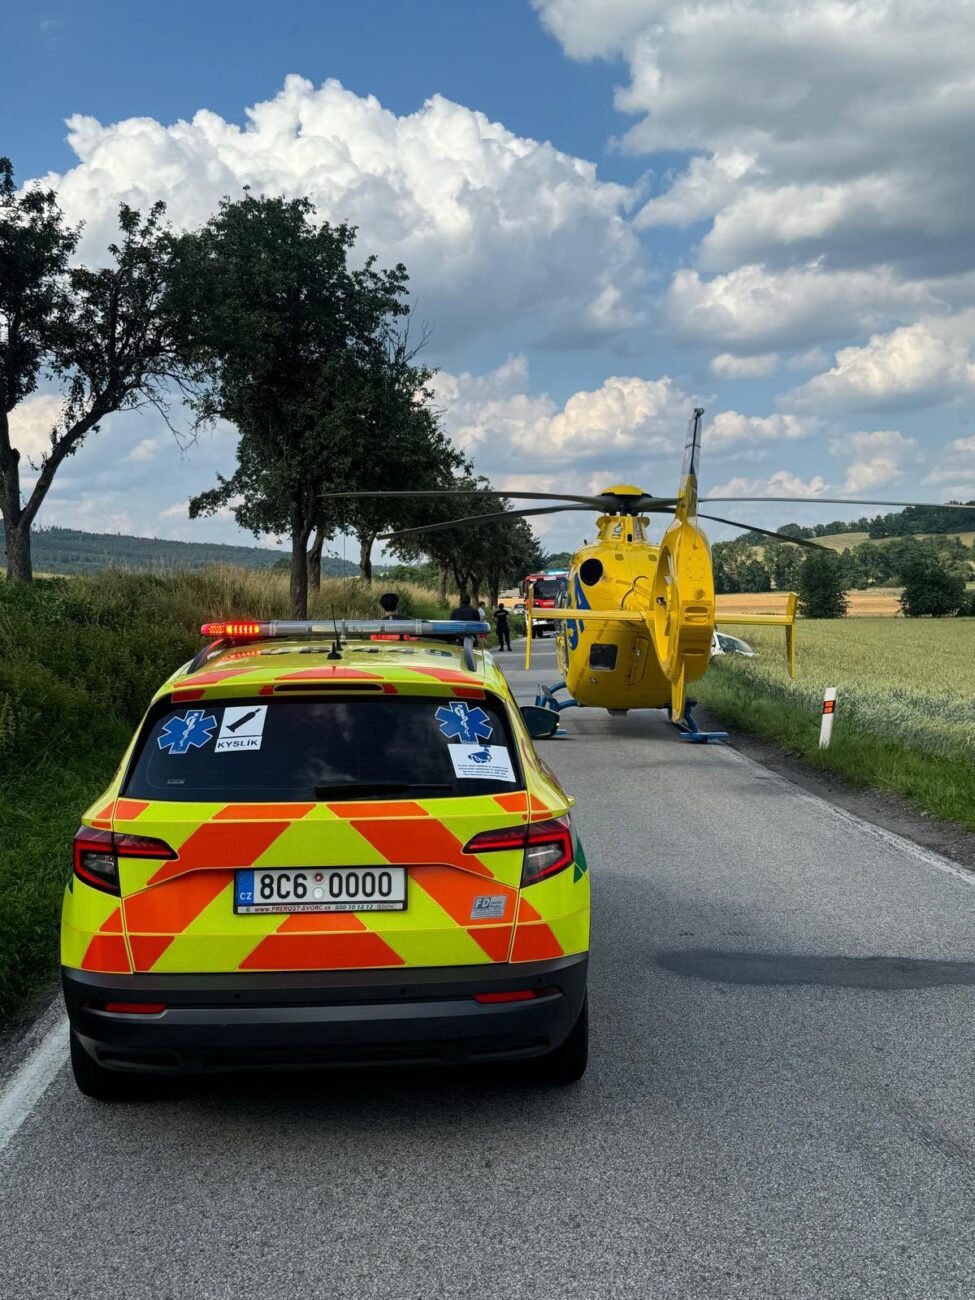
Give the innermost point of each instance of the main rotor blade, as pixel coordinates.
(752, 528)
(607, 502)
(596, 503)
(840, 501)
(479, 519)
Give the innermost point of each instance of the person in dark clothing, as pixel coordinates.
(465, 611)
(501, 626)
(389, 604)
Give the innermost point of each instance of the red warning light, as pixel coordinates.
(231, 629)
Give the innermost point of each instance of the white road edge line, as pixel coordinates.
(891, 838)
(29, 1084)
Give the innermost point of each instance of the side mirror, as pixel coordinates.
(540, 722)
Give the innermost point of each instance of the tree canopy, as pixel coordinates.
(100, 340)
(290, 336)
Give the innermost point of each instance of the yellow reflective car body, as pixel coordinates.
(294, 834)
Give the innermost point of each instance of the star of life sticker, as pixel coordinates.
(194, 730)
(460, 722)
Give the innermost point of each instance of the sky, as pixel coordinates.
(611, 211)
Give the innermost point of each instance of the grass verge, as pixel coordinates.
(79, 660)
(906, 712)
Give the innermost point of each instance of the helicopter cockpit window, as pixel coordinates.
(603, 657)
(590, 571)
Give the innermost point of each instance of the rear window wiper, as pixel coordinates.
(373, 789)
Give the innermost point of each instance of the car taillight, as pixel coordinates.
(547, 846)
(96, 855)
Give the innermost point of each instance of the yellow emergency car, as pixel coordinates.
(328, 845)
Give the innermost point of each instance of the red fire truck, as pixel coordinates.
(545, 592)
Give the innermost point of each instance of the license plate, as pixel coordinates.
(321, 889)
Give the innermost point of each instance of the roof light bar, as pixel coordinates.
(347, 629)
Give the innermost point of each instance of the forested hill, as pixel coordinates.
(914, 520)
(67, 550)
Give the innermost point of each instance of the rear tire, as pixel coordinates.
(94, 1080)
(567, 1064)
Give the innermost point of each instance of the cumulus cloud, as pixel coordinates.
(497, 231)
(781, 483)
(930, 361)
(32, 422)
(728, 366)
(877, 459)
(752, 306)
(729, 429)
(953, 473)
(498, 420)
(854, 118)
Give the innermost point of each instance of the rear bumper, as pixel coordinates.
(245, 1021)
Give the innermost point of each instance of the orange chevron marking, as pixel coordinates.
(114, 923)
(106, 952)
(526, 913)
(129, 809)
(147, 949)
(258, 812)
(320, 952)
(105, 812)
(319, 923)
(419, 842)
(366, 811)
(455, 891)
(535, 943)
(495, 941)
(216, 675)
(514, 803)
(447, 675)
(168, 908)
(214, 844)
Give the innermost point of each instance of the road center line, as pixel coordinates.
(33, 1078)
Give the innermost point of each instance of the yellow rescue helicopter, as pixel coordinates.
(638, 617)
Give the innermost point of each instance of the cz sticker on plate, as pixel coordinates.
(320, 889)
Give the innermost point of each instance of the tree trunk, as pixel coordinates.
(494, 588)
(17, 541)
(442, 590)
(365, 556)
(300, 532)
(315, 562)
(16, 529)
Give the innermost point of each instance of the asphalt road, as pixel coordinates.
(780, 1101)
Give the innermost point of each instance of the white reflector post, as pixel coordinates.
(829, 713)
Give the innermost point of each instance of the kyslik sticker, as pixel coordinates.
(241, 728)
(481, 762)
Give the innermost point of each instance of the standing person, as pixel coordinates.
(465, 611)
(389, 604)
(501, 626)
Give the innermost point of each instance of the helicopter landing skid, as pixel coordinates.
(545, 698)
(688, 728)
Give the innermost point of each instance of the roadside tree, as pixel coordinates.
(821, 586)
(932, 589)
(286, 332)
(100, 341)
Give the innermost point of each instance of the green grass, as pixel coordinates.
(80, 659)
(906, 704)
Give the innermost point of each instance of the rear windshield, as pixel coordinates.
(303, 749)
